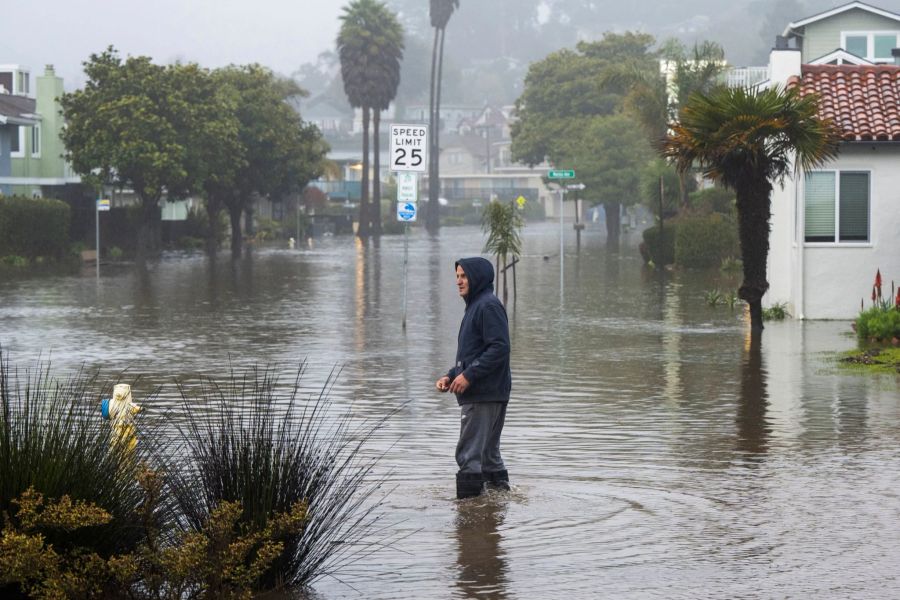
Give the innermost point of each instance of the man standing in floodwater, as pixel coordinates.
(481, 380)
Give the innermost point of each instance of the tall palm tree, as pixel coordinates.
(370, 47)
(746, 141)
(440, 12)
(387, 52)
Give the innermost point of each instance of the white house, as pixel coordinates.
(832, 228)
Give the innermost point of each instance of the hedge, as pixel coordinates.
(33, 227)
(661, 252)
(705, 241)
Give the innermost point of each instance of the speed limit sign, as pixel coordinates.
(409, 148)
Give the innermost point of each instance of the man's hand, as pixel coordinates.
(460, 384)
(443, 384)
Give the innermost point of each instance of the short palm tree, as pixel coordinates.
(440, 12)
(746, 141)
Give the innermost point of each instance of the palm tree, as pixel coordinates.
(370, 46)
(654, 99)
(387, 52)
(747, 140)
(440, 12)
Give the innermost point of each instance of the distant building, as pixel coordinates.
(36, 164)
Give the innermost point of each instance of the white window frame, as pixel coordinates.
(20, 153)
(36, 137)
(837, 210)
(870, 43)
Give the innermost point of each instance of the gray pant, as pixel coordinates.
(478, 449)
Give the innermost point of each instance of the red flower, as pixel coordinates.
(873, 294)
(897, 299)
(878, 279)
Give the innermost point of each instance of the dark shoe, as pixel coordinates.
(498, 480)
(468, 485)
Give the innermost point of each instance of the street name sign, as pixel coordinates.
(561, 174)
(102, 204)
(407, 187)
(406, 212)
(409, 148)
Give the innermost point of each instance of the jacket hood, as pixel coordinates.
(480, 273)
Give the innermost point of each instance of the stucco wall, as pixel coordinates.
(836, 276)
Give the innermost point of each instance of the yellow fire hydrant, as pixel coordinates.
(120, 410)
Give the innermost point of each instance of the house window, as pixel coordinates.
(837, 206)
(872, 45)
(17, 141)
(36, 141)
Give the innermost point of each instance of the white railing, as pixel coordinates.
(746, 76)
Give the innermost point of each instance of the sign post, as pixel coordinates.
(409, 157)
(102, 206)
(561, 174)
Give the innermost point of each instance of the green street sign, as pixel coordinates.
(561, 174)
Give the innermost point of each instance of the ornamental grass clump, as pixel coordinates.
(255, 442)
(54, 442)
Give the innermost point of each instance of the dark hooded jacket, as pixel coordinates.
(482, 351)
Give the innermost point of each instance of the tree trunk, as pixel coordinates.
(683, 190)
(754, 210)
(237, 238)
(213, 209)
(613, 224)
(148, 230)
(505, 290)
(364, 217)
(432, 218)
(376, 173)
(436, 136)
(249, 226)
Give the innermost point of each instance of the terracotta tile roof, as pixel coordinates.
(863, 100)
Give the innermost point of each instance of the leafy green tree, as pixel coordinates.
(143, 126)
(608, 158)
(440, 12)
(370, 47)
(747, 141)
(654, 97)
(278, 152)
(569, 93)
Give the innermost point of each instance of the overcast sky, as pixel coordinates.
(280, 34)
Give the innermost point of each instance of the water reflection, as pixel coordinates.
(481, 561)
(752, 426)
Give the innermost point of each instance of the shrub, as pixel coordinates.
(661, 251)
(53, 439)
(881, 323)
(255, 442)
(15, 261)
(33, 227)
(713, 200)
(705, 241)
(30, 565)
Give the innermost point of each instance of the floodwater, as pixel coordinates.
(654, 453)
